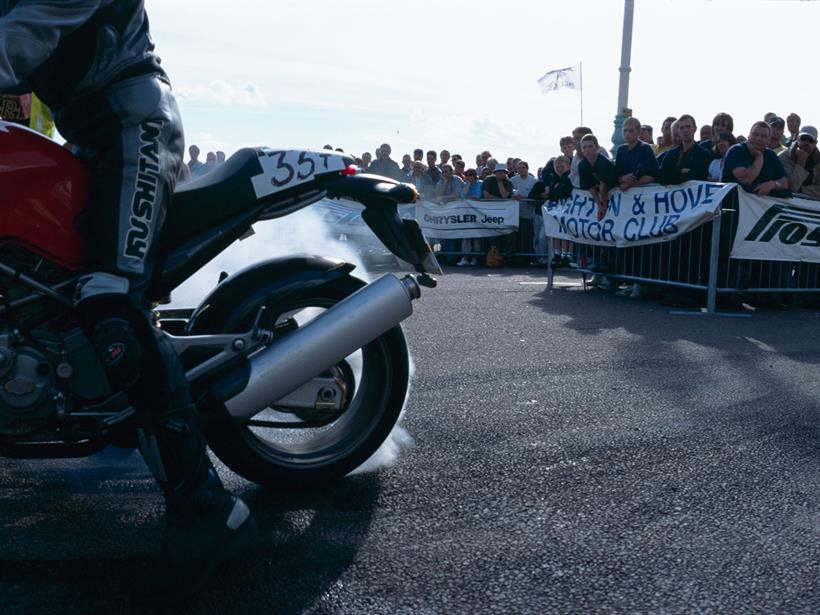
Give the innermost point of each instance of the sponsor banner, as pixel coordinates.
(776, 229)
(642, 215)
(452, 220)
(344, 216)
(465, 219)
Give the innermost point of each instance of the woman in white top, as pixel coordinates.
(725, 140)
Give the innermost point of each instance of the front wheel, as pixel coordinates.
(270, 452)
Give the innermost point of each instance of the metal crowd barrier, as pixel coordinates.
(698, 260)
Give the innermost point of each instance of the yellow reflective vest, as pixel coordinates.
(41, 119)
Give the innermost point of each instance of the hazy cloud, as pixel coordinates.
(222, 94)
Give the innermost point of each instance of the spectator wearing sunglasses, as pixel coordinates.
(802, 163)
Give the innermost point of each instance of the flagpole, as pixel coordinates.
(581, 79)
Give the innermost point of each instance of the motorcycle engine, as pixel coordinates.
(27, 385)
(48, 368)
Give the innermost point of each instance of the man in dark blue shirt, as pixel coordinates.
(596, 173)
(755, 167)
(635, 162)
(687, 161)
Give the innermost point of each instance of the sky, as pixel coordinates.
(462, 75)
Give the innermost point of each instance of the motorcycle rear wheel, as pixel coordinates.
(288, 457)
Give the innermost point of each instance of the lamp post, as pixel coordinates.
(623, 111)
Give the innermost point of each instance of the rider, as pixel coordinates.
(93, 63)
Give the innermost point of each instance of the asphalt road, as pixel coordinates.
(575, 452)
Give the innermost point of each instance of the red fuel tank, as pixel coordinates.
(43, 189)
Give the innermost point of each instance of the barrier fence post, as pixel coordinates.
(711, 290)
(550, 271)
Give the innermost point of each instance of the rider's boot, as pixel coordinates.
(204, 523)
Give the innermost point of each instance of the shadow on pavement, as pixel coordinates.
(696, 356)
(594, 311)
(307, 540)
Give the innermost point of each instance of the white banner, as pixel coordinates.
(642, 215)
(776, 229)
(465, 219)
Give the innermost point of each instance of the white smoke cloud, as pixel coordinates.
(301, 233)
(398, 441)
(222, 94)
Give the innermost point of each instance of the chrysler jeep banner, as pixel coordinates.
(642, 215)
(467, 219)
(777, 229)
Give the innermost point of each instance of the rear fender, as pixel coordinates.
(233, 305)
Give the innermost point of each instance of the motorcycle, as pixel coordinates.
(299, 369)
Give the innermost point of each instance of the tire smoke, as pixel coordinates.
(398, 441)
(303, 232)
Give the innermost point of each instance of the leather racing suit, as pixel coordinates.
(93, 63)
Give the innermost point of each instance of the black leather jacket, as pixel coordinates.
(67, 50)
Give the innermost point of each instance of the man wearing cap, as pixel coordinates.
(756, 167)
(498, 185)
(778, 126)
(801, 162)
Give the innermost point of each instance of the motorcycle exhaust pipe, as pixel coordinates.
(327, 339)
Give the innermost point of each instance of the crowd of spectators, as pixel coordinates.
(196, 168)
(777, 157)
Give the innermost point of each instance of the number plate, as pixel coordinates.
(284, 169)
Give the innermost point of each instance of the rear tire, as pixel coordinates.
(296, 457)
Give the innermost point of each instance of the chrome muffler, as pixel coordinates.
(312, 349)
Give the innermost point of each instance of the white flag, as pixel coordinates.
(569, 77)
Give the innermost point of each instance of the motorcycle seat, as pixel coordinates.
(217, 196)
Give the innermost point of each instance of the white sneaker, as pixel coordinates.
(474, 262)
(462, 262)
(603, 282)
(636, 292)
